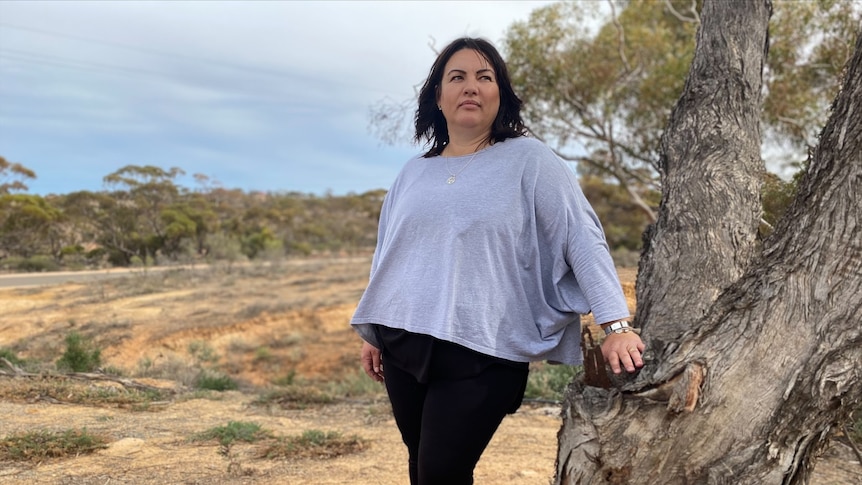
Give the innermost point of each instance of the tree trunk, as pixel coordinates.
(754, 354)
(711, 172)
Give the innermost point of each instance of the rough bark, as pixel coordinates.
(711, 173)
(756, 356)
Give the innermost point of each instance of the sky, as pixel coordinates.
(256, 95)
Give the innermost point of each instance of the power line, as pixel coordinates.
(58, 61)
(245, 69)
(34, 58)
(145, 50)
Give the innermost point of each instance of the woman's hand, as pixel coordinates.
(623, 350)
(371, 361)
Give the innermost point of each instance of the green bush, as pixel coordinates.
(81, 354)
(202, 352)
(35, 446)
(211, 381)
(549, 382)
(36, 264)
(353, 384)
(234, 431)
(301, 248)
(10, 355)
(97, 256)
(73, 250)
(287, 379)
(314, 444)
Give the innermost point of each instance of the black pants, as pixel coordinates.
(448, 401)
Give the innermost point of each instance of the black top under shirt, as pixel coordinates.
(428, 358)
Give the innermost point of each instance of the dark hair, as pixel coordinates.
(430, 123)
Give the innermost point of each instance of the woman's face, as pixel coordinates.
(468, 94)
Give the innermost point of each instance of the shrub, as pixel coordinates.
(223, 247)
(96, 257)
(37, 264)
(549, 382)
(10, 355)
(354, 384)
(234, 431)
(263, 354)
(81, 355)
(202, 352)
(172, 367)
(287, 379)
(114, 371)
(38, 445)
(211, 381)
(314, 444)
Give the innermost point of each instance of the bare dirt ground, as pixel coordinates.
(259, 324)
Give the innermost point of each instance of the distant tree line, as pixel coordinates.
(145, 218)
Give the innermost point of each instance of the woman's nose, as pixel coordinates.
(470, 87)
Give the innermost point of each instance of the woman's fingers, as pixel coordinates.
(623, 351)
(371, 362)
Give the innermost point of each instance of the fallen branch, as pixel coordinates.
(89, 376)
(128, 383)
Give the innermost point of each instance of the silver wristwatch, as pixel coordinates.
(621, 326)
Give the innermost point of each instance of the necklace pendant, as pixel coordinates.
(450, 180)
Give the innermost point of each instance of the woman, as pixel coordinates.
(487, 254)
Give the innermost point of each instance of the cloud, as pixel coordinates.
(257, 94)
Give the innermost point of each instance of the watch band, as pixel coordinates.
(620, 326)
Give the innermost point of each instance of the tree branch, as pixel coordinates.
(89, 376)
(621, 35)
(681, 17)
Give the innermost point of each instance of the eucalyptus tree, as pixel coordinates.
(101, 218)
(753, 347)
(598, 83)
(12, 176)
(28, 226)
(142, 195)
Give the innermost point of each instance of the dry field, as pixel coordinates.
(262, 325)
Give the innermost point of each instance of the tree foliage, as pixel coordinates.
(27, 222)
(145, 216)
(12, 176)
(753, 347)
(602, 97)
(810, 44)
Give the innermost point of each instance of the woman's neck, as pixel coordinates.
(457, 147)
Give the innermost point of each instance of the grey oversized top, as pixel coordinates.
(502, 261)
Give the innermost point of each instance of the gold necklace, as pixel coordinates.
(452, 176)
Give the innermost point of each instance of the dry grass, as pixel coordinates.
(314, 444)
(58, 389)
(37, 446)
(279, 331)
